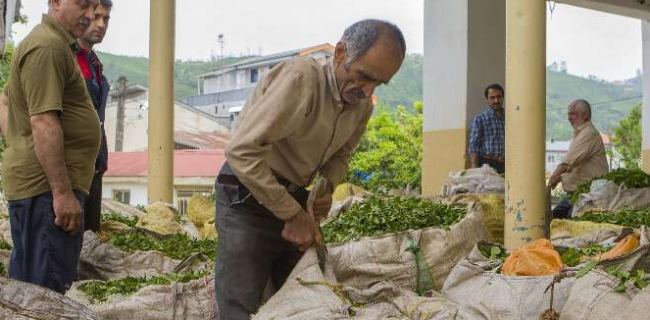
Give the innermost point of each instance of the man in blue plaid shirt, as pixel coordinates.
(487, 137)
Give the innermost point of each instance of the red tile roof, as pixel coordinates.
(187, 163)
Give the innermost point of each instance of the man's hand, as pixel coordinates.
(473, 160)
(68, 213)
(302, 231)
(323, 201)
(557, 175)
(553, 181)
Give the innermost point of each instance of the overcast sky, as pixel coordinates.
(604, 45)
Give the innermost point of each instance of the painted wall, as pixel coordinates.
(464, 51)
(138, 191)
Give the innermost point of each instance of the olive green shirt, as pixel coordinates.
(45, 77)
(294, 126)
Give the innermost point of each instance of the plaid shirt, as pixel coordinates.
(487, 136)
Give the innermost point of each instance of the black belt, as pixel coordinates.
(233, 180)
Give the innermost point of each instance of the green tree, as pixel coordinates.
(390, 153)
(627, 139)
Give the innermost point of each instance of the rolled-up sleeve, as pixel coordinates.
(336, 167)
(282, 104)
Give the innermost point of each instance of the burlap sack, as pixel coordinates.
(594, 297)
(309, 294)
(605, 194)
(477, 180)
(23, 301)
(5, 232)
(474, 283)
(178, 301)
(103, 261)
(160, 218)
(368, 260)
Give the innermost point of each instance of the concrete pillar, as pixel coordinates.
(161, 102)
(464, 52)
(645, 121)
(526, 121)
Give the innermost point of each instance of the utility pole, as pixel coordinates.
(221, 40)
(121, 105)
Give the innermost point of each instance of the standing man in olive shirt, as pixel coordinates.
(303, 120)
(52, 140)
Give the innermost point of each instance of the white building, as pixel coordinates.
(195, 171)
(223, 92)
(188, 121)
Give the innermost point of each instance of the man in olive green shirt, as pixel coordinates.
(303, 119)
(52, 140)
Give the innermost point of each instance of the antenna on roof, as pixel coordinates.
(221, 40)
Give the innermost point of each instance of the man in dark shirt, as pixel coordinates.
(98, 88)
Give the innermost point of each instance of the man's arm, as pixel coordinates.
(474, 142)
(282, 107)
(4, 112)
(556, 177)
(47, 135)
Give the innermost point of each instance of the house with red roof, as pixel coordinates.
(195, 171)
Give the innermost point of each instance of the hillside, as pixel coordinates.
(137, 71)
(611, 102)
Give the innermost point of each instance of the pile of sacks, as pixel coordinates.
(100, 261)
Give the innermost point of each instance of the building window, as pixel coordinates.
(122, 195)
(183, 198)
(216, 109)
(254, 75)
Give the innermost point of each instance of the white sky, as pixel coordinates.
(604, 45)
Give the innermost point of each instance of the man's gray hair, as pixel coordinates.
(104, 3)
(360, 36)
(582, 105)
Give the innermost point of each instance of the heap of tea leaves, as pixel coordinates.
(636, 277)
(382, 215)
(573, 256)
(494, 252)
(631, 178)
(99, 291)
(632, 218)
(112, 216)
(178, 246)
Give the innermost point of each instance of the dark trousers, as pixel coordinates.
(43, 253)
(499, 166)
(251, 250)
(563, 209)
(93, 205)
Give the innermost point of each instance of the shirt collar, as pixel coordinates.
(58, 28)
(492, 111)
(581, 127)
(331, 81)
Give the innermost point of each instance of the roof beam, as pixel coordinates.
(627, 8)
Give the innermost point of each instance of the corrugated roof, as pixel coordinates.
(187, 163)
